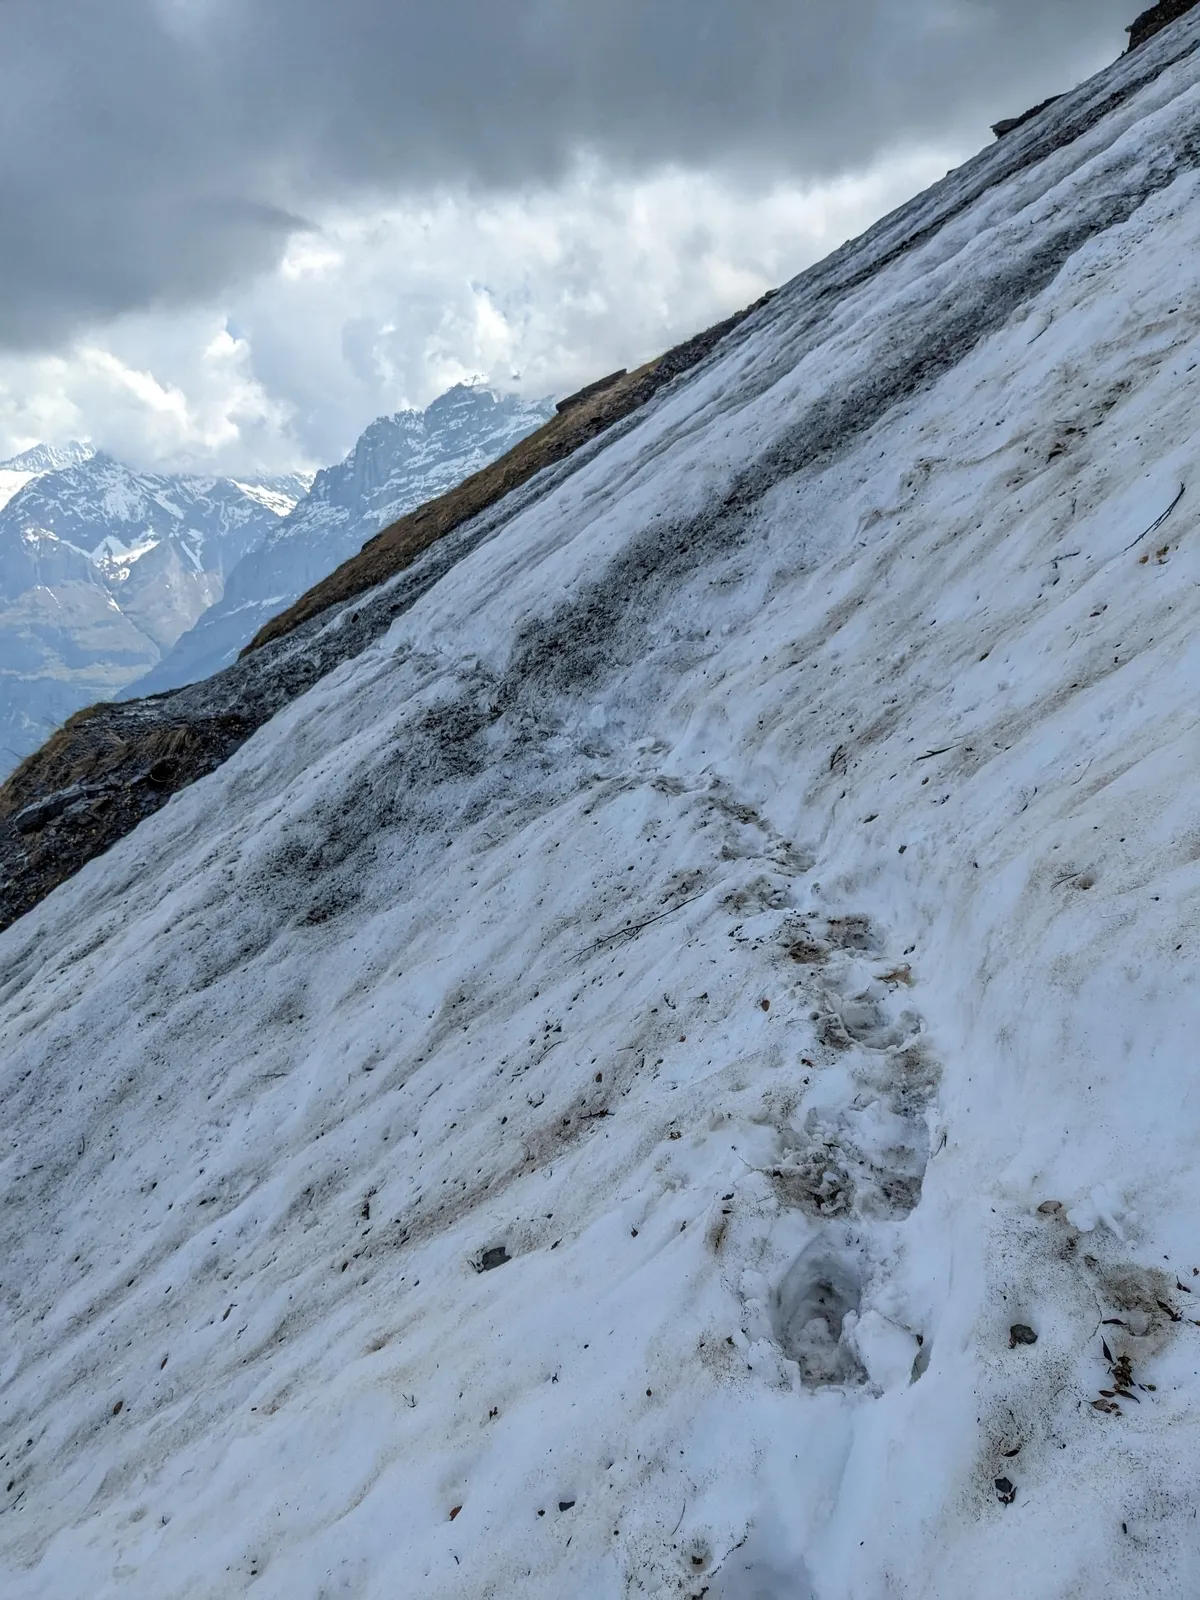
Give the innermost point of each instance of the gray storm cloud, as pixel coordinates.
(155, 151)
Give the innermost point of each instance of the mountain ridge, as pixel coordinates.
(21, 469)
(49, 457)
(398, 461)
(101, 568)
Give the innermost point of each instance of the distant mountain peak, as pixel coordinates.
(49, 457)
(399, 461)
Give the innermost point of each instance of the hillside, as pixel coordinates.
(663, 1068)
(112, 765)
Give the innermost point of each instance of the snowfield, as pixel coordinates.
(598, 1097)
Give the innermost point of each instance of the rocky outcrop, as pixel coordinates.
(1010, 124)
(1156, 19)
(1147, 25)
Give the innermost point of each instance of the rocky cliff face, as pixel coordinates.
(1156, 18)
(398, 463)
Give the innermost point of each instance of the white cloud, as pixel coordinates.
(383, 308)
(159, 392)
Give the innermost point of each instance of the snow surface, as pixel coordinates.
(753, 898)
(278, 495)
(42, 458)
(12, 483)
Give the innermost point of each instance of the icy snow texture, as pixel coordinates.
(757, 890)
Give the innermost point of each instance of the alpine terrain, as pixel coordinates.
(17, 471)
(399, 462)
(101, 569)
(649, 1050)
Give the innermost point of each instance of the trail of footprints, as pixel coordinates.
(852, 1160)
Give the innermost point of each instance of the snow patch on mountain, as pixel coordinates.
(17, 471)
(49, 457)
(281, 494)
(112, 551)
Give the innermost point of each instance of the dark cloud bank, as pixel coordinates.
(153, 150)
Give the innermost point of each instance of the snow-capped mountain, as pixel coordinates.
(671, 1071)
(17, 471)
(115, 514)
(101, 569)
(398, 463)
(49, 457)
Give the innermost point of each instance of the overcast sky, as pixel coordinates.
(234, 231)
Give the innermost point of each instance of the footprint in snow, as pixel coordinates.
(855, 1165)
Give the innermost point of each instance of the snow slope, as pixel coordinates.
(578, 1103)
(280, 494)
